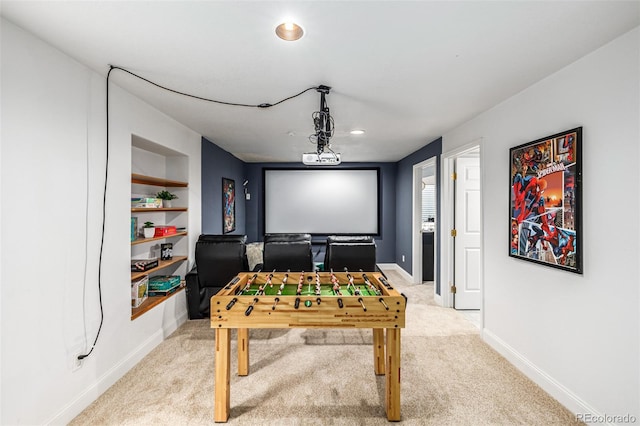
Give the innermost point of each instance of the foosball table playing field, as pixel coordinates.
(308, 300)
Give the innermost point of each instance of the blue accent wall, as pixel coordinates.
(396, 198)
(404, 200)
(216, 164)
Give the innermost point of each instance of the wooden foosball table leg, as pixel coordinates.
(393, 374)
(378, 351)
(243, 351)
(222, 400)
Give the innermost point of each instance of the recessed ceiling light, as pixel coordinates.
(357, 132)
(289, 31)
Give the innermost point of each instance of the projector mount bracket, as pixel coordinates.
(322, 120)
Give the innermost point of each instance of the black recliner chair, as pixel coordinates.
(351, 252)
(218, 259)
(287, 252)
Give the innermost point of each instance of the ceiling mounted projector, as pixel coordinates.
(323, 159)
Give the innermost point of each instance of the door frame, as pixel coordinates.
(447, 200)
(416, 228)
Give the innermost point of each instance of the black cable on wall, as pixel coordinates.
(106, 175)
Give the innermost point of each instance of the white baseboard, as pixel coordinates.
(567, 398)
(90, 394)
(397, 268)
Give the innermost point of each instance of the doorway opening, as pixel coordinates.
(424, 229)
(462, 231)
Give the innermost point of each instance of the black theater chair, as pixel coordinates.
(287, 252)
(351, 252)
(218, 259)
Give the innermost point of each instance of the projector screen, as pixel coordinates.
(322, 201)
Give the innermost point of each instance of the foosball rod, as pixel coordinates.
(371, 286)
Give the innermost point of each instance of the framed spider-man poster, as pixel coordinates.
(545, 201)
(228, 205)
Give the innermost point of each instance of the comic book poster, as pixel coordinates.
(228, 205)
(546, 201)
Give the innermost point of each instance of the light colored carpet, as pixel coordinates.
(325, 377)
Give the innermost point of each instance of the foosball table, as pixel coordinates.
(308, 300)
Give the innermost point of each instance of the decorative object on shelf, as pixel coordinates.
(546, 201)
(164, 282)
(149, 230)
(166, 251)
(140, 265)
(228, 205)
(139, 291)
(134, 228)
(165, 230)
(146, 203)
(166, 197)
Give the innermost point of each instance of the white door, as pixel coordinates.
(467, 240)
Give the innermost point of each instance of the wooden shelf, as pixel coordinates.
(150, 180)
(161, 209)
(148, 240)
(161, 265)
(151, 303)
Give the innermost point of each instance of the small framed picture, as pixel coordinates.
(166, 251)
(228, 205)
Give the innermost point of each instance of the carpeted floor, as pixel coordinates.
(325, 377)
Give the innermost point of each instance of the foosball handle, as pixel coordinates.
(385, 305)
(362, 304)
(231, 303)
(340, 303)
(250, 308)
(297, 303)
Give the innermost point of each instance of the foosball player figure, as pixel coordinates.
(269, 278)
(250, 281)
(350, 283)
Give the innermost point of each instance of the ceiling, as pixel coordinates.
(405, 72)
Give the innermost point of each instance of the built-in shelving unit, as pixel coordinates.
(168, 170)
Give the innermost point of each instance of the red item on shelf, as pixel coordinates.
(163, 231)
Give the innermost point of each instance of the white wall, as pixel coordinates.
(577, 336)
(52, 176)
